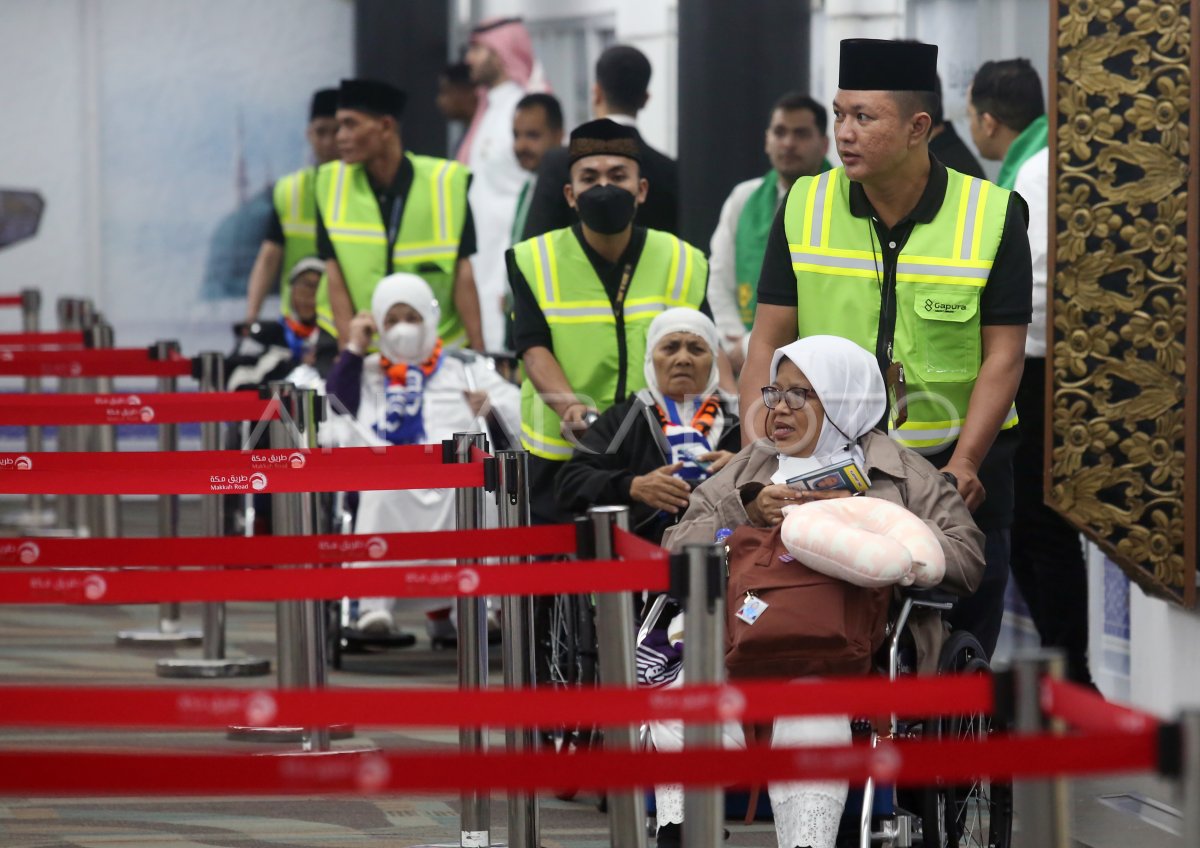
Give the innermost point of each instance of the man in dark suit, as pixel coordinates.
(620, 92)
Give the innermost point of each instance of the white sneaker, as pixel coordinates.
(376, 622)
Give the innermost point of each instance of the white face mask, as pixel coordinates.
(405, 343)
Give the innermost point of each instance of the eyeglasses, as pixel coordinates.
(795, 398)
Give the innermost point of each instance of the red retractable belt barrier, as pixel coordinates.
(173, 408)
(11, 300)
(1085, 709)
(40, 552)
(289, 584)
(70, 338)
(903, 762)
(93, 706)
(109, 362)
(234, 472)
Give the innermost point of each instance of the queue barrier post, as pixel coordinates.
(1189, 782)
(512, 497)
(703, 663)
(475, 824)
(104, 514)
(1041, 806)
(170, 628)
(70, 312)
(210, 370)
(31, 309)
(615, 631)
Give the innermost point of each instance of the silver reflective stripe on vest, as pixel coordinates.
(411, 252)
(800, 257)
(443, 224)
(547, 272)
(818, 215)
(644, 309)
(359, 232)
(335, 213)
(969, 221)
(295, 197)
(680, 273)
(578, 312)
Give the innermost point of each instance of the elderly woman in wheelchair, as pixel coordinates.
(804, 551)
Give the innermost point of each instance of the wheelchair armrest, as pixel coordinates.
(933, 598)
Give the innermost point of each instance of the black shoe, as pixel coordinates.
(669, 836)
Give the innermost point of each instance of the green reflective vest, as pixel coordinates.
(940, 277)
(584, 324)
(427, 244)
(297, 211)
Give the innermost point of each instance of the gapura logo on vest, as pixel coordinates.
(941, 308)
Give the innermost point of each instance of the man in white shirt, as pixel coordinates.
(500, 55)
(796, 144)
(1008, 123)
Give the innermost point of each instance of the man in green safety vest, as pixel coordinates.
(381, 211)
(584, 297)
(292, 232)
(796, 145)
(924, 266)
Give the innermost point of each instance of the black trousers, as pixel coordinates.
(1047, 557)
(983, 612)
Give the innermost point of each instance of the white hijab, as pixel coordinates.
(684, 320)
(412, 290)
(847, 380)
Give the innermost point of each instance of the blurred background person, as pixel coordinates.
(947, 146)
(457, 101)
(383, 210)
(537, 129)
(292, 231)
(796, 145)
(501, 59)
(619, 93)
(1008, 123)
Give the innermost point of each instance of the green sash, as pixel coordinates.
(518, 227)
(1032, 140)
(750, 243)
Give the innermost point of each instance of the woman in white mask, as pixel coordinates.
(411, 392)
(825, 400)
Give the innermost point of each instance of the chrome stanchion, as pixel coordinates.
(1041, 806)
(615, 631)
(512, 496)
(104, 511)
(210, 369)
(170, 630)
(70, 310)
(299, 625)
(475, 827)
(1189, 783)
(704, 663)
(31, 308)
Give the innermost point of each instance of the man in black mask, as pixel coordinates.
(583, 297)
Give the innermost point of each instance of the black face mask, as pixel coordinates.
(607, 209)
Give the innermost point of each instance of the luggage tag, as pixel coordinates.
(752, 608)
(894, 380)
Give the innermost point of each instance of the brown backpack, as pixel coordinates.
(813, 625)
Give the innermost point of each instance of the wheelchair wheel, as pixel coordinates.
(976, 815)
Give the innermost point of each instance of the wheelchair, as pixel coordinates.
(978, 815)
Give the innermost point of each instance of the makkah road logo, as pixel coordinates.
(296, 459)
(468, 580)
(731, 704)
(261, 709)
(147, 414)
(376, 547)
(258, 481)
(28, 553)
(373, 773)
(23, 463)
(94, 587)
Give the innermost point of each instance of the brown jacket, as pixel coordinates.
(897, 474)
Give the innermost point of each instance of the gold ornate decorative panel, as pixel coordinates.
(1123, 441)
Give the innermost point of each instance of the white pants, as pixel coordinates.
(807, 813)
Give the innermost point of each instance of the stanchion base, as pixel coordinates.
(356, 750)
(210, 669)
(157, 638)
(281, 734)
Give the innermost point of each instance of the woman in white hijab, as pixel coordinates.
(411, 392)
(650, 450)
(824, 402)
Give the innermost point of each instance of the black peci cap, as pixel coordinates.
(372, 96)
(869, 64)
(603, 137)
(324, 104)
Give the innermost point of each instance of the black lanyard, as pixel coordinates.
(393, 227)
